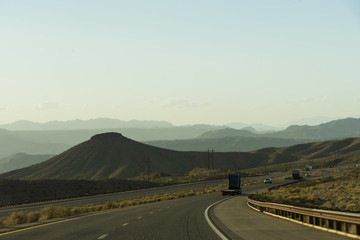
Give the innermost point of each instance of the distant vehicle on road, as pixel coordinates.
(234, 185)
(267, 180)
(297, 174)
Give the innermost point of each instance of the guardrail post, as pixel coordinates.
(311, 219)
(343, 226)
(307, 219)
(351, 228)
(317, 221)
(338, 225)
(325, 223)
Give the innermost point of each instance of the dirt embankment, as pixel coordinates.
(26, 191)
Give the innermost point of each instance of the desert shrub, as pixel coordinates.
(33, 216)
(123, 204)
(352, 207)
(98, 207)
(54, 212)
(190, 194)
(79, 210)
(109, 205)
(15, 218)
(169, 197)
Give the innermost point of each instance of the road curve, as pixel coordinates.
(176, 219)
(239, 222)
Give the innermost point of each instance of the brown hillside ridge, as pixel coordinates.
(111, 155)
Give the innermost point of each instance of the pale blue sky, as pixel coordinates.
(186, 62)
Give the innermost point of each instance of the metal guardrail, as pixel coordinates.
(339, 222)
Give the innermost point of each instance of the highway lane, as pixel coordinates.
(175, 219)
(240, 222)
(100, 199)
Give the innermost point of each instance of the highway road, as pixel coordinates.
(100, 199)
(237, 221)
(177, 219)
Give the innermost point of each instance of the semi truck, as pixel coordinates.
(297, 174)
(234, 185)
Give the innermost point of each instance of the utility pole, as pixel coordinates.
(265, 168)
(208, 159)
(148, 169)
(212, 163)
(143, 170)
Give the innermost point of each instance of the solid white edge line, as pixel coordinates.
(211, 224)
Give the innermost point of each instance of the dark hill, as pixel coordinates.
(113, 155)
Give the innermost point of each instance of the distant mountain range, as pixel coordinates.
(229, 139)
(12, 143)
(57, 141)
(111, 155)
(225, 144)
(337, 129)
(99, 123)
(21, 160)
(183, 138)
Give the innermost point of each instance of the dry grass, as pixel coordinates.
(340, 193)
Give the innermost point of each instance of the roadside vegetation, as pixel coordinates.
(195, 175)
(51, 212)
(338, 192)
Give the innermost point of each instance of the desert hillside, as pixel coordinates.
(111, 155)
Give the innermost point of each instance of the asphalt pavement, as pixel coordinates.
(175, 219)
(237, 221)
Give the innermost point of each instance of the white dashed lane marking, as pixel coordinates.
(103, 236)
(125, 224)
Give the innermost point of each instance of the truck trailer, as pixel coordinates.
(234, 185)
(297, 174)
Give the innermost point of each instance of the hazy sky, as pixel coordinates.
(186, 62)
